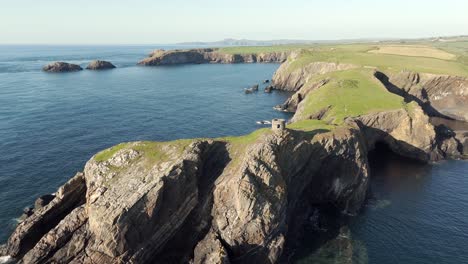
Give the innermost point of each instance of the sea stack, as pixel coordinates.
(100, 65)
(60, 66)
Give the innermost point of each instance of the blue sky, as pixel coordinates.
(152, 22)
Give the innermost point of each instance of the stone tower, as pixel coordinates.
(278, 124)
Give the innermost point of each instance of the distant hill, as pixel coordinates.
(249, 42)
(246, 42)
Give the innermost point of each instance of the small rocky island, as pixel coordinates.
(61, 67)
(247, 199)
(100, 65)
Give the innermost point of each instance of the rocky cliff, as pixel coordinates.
(199, 56)
(227, 200)
(439, 95)
(209, 201)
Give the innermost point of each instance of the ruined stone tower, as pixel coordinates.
(278, 124)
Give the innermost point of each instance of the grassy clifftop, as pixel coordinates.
(348, 93)
(430, 57)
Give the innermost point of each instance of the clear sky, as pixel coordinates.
(170, 21)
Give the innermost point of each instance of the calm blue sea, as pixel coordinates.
(51, 124)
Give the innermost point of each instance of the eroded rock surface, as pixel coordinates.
(437, 94)
(208, 201)
(61, 67)
(199, 56)
(100, 65)
(290, 78)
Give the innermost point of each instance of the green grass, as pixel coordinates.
(311, 126)
(350, 93)
(151, 151)
(359, 55)
(108, 153)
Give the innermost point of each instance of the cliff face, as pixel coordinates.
(242, 200)
(291, 78)
(199, 56)
(206, 201)
(408, 130)
(437, 94)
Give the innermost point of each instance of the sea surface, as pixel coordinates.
(51, 124)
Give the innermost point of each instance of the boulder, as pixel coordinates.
(61, 67)
(43, 201)
(198, 56)
(100, 65)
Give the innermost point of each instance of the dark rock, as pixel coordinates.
(266, 81)
(43, 201)
(27, 212)
(61, 67)
(100, 65)
(269, 89)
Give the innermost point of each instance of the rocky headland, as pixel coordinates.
(199, 56)
(100, 65)
(239, 199)
(61, 67)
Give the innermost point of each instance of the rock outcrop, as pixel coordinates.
(439, 95)
(293, 102)
(409, 133)
(199, 56)
(291, 78)
(222, 200)
(100, 65)
(61, 67)
(209, 201)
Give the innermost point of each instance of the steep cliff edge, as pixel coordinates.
(225, 199)
(238, 199)
(335, 94)
(199, 56)
(439, 95)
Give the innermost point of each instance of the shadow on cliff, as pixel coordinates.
(317, 218)
(426, 106)
(214, 159)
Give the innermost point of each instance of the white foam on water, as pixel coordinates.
(6, 260)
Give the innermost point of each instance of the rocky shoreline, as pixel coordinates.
(230, 201)
(199, 56)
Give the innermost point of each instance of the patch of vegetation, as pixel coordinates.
(108, 153)
(359, 55)
(311, 126)
(151, 151)
(238, 145)
(350, 93)
(414, 51)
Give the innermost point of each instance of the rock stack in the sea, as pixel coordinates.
(61, 66)
(100, 65)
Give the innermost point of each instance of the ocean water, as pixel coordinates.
(51, 124)
(417, 214)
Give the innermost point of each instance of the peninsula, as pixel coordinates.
(246, 199)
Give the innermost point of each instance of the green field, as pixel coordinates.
(349, 93)
(438, 57)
